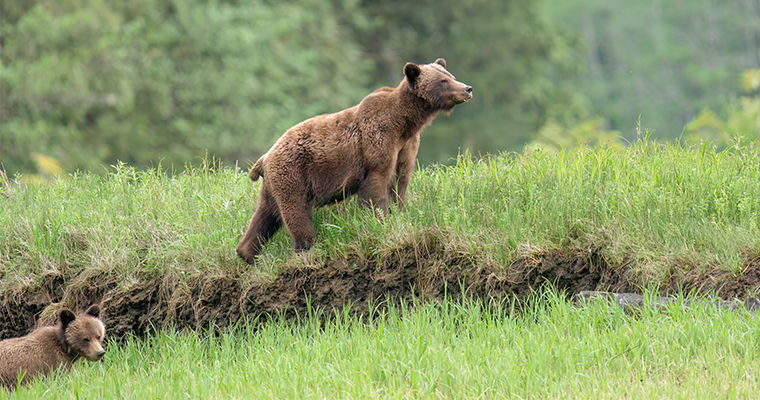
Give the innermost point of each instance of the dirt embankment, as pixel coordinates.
(424, 270)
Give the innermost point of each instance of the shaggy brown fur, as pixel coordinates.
(369, 149)
(47, 348)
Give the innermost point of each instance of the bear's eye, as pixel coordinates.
(443, 81)
(86, 340)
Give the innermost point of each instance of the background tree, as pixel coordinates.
(91, 82)
(662, 60)
(85, 83)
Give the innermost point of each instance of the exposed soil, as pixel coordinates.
(424, 270)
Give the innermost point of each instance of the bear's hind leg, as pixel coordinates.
(296, 215)
(263, 226)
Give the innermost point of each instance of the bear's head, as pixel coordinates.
(83, 333)
(434, 84)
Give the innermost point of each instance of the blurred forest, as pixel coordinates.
(664, 60)
(84, 83)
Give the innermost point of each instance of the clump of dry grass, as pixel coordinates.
(5, 184)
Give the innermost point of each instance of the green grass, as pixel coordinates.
(657, 208)
(550, 350)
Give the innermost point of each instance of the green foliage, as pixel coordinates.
(662, 60)
(554, 136)
(93, 82)
(737, 122)
(551, 349)
(90, 82)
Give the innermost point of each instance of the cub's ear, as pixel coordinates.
(66, 316)
(412, 72)
(441, 62)
(93, 311)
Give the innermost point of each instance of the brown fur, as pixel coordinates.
(47, 348)
(368, 149)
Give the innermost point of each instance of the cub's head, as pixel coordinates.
(84, 332)
(435, 85)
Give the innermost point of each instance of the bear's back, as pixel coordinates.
(39, 352)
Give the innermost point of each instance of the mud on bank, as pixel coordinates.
(426, 270)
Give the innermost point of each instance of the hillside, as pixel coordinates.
(157, 249)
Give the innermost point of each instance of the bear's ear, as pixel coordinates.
(412, 72)
(66, 316)
(93, 311)
(441, 62)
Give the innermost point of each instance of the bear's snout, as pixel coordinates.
(96, 356)
(95, 352)
(465, 94)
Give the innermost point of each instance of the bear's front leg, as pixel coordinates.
(407, 158)
(373, 192)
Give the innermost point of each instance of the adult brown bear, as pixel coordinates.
(369, 149)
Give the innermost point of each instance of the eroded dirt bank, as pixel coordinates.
(425, 270)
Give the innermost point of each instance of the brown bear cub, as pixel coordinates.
(368, 149)
(47, 348)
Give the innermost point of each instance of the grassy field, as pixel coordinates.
(657, 214)
(550, 350)
(655, 208)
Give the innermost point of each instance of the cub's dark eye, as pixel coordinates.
(443, 81)
(86, 340)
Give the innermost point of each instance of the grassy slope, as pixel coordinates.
(553, 350)
(656, 208)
